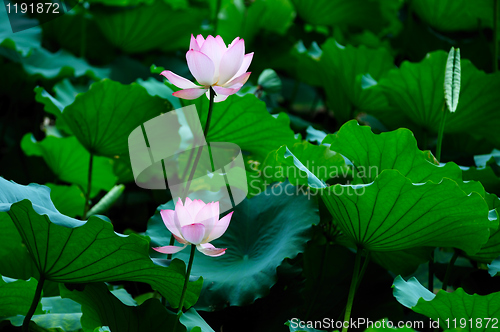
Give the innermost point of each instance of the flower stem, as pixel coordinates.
(198, 155)
(34, 304)
(89, 186)
(352, 290)
(448, 270)
(184, 288)
(441, 133)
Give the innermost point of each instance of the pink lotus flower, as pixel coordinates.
(213, 65)
(195, 223)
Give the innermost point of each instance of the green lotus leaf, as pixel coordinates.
(455, 15)
(60, 64)
(453, 310)
(237, 20)
(264, 230)
(357, 14)
(58, 314)
(416, 90)
(409, 292)
(191, 319)
(69, 250)
(77, 24)
(486, 175)
(17, 296)
(24, 41)
(392, 214)
(371, 154)
(303, 164)
(151, 26)
(339, 69)
(65, 95)
(69, 200)
(103, 117)
(100, 307)
(69, 161)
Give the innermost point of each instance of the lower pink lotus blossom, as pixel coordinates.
(213, 65)
(195, 223)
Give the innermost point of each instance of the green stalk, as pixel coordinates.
(495, 36)
(448, 270)
(184, 288)
(431, 272)
(89, 186)
(198, 154)
(34, 304)
(441, 132)
(352, 289)
(363, 269)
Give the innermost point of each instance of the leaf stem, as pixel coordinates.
(184, 288)
(441, 132)
(431, 273)
(352, 290)
(89, 186)
(363, 269)
(34, 304)
(448, 270)
(495, 36)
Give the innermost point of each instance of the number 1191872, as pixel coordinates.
(32, 8)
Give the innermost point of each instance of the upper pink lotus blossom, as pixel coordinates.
(195, 223)
(213, 65)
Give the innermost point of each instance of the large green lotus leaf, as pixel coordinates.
(192, 319)
(491, 249)
(455, 15)
(58, 315)
(392, 214)
(403, 262)
(69, 250)
(264, 230)
(60, 64)
(371, 154)
(353, 13)
(76, 24)
(416, 89)
(487, 177)
(15, 260)
(69, 200)
(238, 20)
(69, 161)
(246, 122)
(409, 292)
(16, 296)
(303, 164)
(23, 41)
(452, 306)
(151, 26)
(65, 95)
(103, 117)
(100, 307)
(339, 68)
